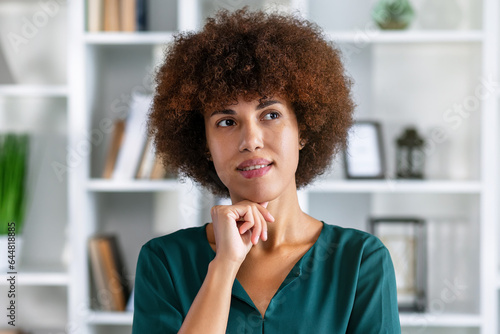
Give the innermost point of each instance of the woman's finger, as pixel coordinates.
(247, 215)
(264, 229)
(257, 229)
(265, 213)
(263, 234)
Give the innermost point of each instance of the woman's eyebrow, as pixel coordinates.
(223, 112)
(267, 103)
(260, 106)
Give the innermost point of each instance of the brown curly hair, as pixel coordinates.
(253, 55)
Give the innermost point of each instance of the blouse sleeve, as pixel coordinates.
(156, 305)
(375, 308)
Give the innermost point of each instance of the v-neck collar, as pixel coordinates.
(239, 292)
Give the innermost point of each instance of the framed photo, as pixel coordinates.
(364, 157)
(405, 238)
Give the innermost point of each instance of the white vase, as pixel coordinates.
(33, 41)
(5, 256)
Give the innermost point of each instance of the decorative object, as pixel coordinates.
(393, 14)
(405, 238)
(32, 35)
(410, 156)
(13, 170)
(364, 157)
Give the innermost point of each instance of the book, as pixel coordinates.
(108, 272)
(141, 15)
(130, 153)
(114, 147)
(148, 160)
(98, 276)
(128, 16)
(116, 15)
(113, 281)
(158, 171)
(95, 9)
(111, 15)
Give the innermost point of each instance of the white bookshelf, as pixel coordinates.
(31, 90)
(110, 318)
(133, 186)
(106, 65)
(38, 107)
(117, 38)
(423, 320)
(397, 186)
(54, 274)
(375, 36)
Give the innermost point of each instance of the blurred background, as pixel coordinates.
(81, 181)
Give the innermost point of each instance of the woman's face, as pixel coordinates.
(255, 148)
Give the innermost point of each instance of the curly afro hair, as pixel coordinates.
(252, 55)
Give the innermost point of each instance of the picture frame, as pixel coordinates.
(405, 238)
(364, 156)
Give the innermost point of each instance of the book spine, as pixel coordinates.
(113, 281)
(141, 15)
(114, 148)
(130, 153)
(98, 275)
(111, 15)
(94, 15)
(128, 15)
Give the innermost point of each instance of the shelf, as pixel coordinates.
(33, 90)
(46, 275)
(110, 318)
(124, 38)
(362, 37)
(342, 186)
(396, 186)
(105, 185)
(406, 36)
(425, 320)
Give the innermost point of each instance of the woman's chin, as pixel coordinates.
(256, 197)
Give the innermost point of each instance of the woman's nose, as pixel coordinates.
(251, 137)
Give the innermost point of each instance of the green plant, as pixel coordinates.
(393, 14)
(13, 170)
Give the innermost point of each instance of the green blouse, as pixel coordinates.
(344, 283)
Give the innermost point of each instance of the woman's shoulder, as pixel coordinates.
(181, 241)
(352, 239)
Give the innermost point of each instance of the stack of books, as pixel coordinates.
(111, 288)
(131, 153)
(116, 15)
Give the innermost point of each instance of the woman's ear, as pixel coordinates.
(302, 143)
(208, 155)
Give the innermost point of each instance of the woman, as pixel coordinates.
(253, 107)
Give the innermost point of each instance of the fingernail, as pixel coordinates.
(264, 204)
(265, 236)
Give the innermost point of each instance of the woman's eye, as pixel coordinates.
(272, 115)
(225, 123)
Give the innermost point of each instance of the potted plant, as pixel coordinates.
(13, 172)
(393, 14)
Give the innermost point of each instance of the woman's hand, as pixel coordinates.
(238, 227)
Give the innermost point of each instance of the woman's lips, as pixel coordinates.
(253, 162)
(248, 174)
